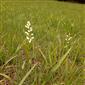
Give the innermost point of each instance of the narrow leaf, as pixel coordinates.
(6, 76)
(27, 74)
(56, 66)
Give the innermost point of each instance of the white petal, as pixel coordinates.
(67, 35)
(28, 22)
(30, 29)
(27, 38)
(27, 33)
(32, 38)
(32, 34)
(27, 26)
(30, 41)
(70, 38)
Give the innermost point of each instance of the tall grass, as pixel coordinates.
(50, 59)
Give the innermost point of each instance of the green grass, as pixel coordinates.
(51, 21)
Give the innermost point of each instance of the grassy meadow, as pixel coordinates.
(56, 56)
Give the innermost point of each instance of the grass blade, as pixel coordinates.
(27, 74)
(61, 61)
(9, 61)
(4, 75)
(15, 54)
(44, 57)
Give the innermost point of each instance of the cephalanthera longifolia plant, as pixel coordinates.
(29, 37)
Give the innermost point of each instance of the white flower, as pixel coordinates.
(30, 41)
(29, 33)
(32, 38)
(27, 38)
(28, 22)
(32, 34)
(30, 29)
(26, 33)
(27, 26)
(68, 39)
(67, 35)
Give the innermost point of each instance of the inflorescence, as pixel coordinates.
(29, 32)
